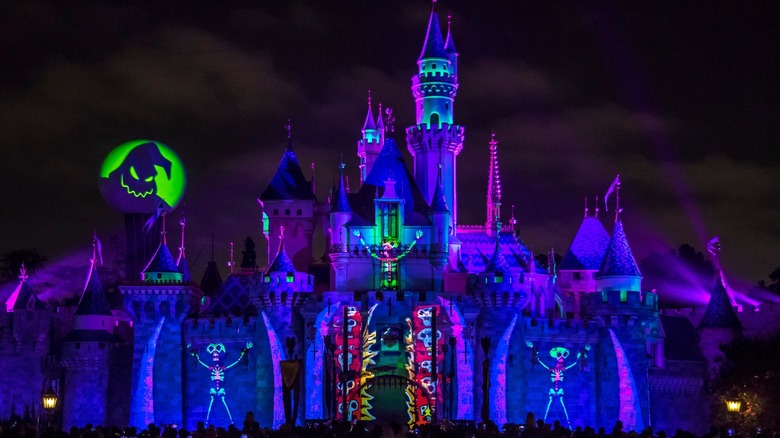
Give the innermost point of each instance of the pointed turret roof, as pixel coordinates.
(449, 45)
(588, 248)
(23, 297)
(184, 269)
(434, 44)
(162, 261)
(282, 262)
(439, 202)
(212, 280)
(288, 182)
(389, 164)
(497, 263)
(369, 123)
(340, 203)
(619, 260)
(720, 313)
(93, 299)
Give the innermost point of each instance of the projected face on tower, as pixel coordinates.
(141, 175)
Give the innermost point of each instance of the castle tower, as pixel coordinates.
(371, 142)
(719, 325)
(340, 214)
(289, 202)
(578, 269)
(87, 355)
(157, 306)
(26, 322)
(435, 138)
(623, 313)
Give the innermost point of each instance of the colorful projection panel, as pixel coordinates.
(424, 395)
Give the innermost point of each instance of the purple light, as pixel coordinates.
(276, 358)
(465, 375)
(316, 369)
(630, 410)
(498, 374)
(142, 410)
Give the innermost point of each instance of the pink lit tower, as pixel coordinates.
(435, 139)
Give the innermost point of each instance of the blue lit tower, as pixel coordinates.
(157, 305)
(435, 138)
(623, 314)
(87, 355)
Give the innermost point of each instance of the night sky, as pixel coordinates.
(680, 98)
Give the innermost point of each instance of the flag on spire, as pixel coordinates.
(713, 246)
(98, 247)
(614, 186)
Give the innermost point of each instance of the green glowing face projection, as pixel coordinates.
(141, 175)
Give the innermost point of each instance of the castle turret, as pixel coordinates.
(719, 325)
(289, 202)
(157, 306)
(340, 214)
(87, 354)
(435, 138)
(618, 271)
(371, 142)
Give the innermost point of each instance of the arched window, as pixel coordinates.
(287, 212)
(435, 119)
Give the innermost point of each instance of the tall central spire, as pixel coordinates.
(494, 186)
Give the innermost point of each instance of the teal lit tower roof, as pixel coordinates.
(434, 43)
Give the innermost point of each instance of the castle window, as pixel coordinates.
(290, 277)
(287, 212)
(577, 276)
(276, 212)
(299, 212)
(435, 119)
(267, 279)
(623, 296)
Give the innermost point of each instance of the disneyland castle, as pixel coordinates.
(411, 316)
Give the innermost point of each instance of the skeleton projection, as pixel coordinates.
(218, 370)
(388, 258)
(557, 370)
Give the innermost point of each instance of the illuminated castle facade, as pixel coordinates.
(420, 319)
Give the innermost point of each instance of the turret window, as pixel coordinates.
(287, 212)
(299, 212)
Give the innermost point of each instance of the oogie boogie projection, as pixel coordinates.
(141, 175)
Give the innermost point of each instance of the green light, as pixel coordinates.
(139, 168)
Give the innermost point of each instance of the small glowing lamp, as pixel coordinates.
(733, 405)
(49, 399)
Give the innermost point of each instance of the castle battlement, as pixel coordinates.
(616, 302)
(423, 137)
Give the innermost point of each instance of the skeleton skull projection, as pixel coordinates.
(352, 406)
(426, 337)
(351, 323)
(425, 314)
(350, 385)
(351, 311)
(429, 383)
(341, 359)
(426, 365)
